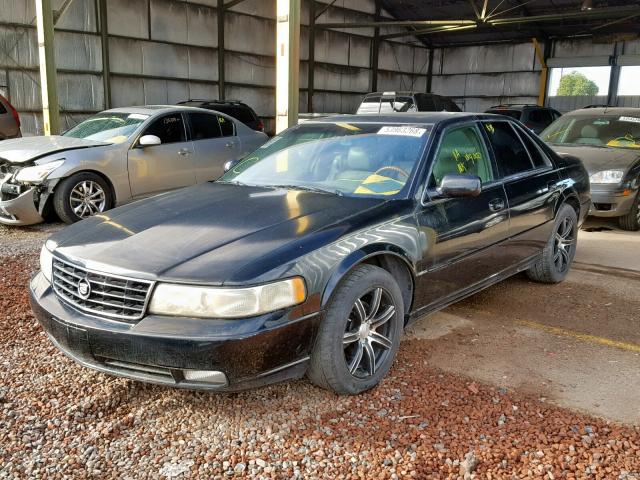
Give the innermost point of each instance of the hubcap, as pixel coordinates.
(565, 240)
(87, 198)
(366, 339)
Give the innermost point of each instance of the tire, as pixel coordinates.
(78, 197)
(631, 221)
(351, 317)
(558, 254)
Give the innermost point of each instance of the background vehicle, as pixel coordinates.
(342, 231)
(392, 102)
(114, 157)
(233, 108)
(533, 116)
(607, 140)
(9, 120)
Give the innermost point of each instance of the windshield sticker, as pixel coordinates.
(601, 121)
(630, 119)
(137, 116)
(348, 126)
(403, 131)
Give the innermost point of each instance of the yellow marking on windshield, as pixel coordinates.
(348, 126)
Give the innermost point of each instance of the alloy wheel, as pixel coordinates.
(87, 198)
(366, 339)
(565, 240)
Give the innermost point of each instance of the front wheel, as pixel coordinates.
(360, 334)
(557, 256)
(631, 221)
(81, 196)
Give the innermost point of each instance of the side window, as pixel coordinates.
(203, 126)
(511, 156)
(539, 158)
(536, 116)
(425, 103)
(461, 152)
(226, 126)
(170, 129)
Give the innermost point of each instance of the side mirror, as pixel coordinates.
(455, 186)
(230, 164)
(149, 140)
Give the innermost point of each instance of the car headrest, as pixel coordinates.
(589, 131)
(358, 159)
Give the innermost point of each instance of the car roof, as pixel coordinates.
(154, 109)
(613, 111)
(413, 117)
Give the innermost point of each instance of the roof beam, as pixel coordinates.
(599, 13)
(427, 31)
(399, 23)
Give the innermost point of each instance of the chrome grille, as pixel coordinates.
(108, 295)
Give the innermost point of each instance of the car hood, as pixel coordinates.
(596, 159)
(211, 232)
(27, 149)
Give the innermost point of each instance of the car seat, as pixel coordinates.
(589, 136)
(357, 165)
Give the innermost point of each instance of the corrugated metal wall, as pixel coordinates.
(164, 51)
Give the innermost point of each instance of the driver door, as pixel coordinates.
(462, 236)
(157, 168)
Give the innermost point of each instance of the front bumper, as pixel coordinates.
(611, 202)
(249, 352)
(20, 210)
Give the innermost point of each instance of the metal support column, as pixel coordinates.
(430, 71)
(104, 38)
(375, 47)
(544, 72)
(220, 14)
(614, 77)
(48, 80)
(287, 63)
(311, 64)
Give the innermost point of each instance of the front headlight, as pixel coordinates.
(37, 173)
(219, 302)
(607, 176)
(46, 263)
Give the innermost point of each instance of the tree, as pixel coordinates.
(577, 84)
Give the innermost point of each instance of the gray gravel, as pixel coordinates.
(21, 240)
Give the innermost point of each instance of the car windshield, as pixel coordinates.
(351, 159)
(621, 131)
(108, 127)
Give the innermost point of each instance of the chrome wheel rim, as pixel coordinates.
(366, 340)
(87, 198)
(565, 240)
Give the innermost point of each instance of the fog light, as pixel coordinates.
(205, 376)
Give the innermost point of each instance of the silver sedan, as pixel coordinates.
(117, 156)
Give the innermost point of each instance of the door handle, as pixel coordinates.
(230, 144)
(496, 205)
(184, 151)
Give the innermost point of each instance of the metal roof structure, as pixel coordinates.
(463, 22)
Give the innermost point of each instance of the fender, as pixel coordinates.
(357, 257)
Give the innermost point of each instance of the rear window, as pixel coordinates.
(2, 109)
(397, 104)
(243, 114)
(504, 111)
(370, 105)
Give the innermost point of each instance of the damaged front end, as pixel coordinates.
(22, 202)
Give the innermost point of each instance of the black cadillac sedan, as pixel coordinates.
(312, 254)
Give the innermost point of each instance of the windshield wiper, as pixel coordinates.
(308, 189)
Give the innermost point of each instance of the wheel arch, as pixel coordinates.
(571, 198)
(388, 257)
(95, 172)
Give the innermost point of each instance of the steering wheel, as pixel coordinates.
(394, 169)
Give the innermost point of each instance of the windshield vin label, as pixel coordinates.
(629, 119)
(404, 131)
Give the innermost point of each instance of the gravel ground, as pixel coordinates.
(59, 420)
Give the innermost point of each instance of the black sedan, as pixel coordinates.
(312, 254)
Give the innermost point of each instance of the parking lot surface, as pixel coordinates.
(520, 381)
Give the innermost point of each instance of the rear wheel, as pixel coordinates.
(81, 196)
(631, 221)
(557, 256)
(360, 334)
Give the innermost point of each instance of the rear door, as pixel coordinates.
(462, 236)
(211, 149)
(531, 184)
(170, 165)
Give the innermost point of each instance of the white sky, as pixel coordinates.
(629, 81)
